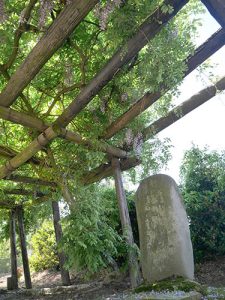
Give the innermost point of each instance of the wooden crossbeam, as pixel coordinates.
(152, 25)
(62, 27)
(213, 44)
(9, 153)
(23, 192)
(30, 180)
(37, 124)
(183, 109)
(105, 170)
(6, 205)
(216, 9)
(36, 201)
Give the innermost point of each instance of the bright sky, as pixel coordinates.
(205, 125)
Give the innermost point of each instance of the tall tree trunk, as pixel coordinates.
(23, 245)
(13, 255)
(58, 234)
(134, 269)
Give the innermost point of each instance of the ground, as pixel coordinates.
(108, 286)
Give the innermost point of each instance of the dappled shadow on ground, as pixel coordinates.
(106, 286)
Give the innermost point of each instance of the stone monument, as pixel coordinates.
(165, 242)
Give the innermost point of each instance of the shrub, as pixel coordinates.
(203, 176)
(44, 249)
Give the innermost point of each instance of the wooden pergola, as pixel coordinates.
(118, 159)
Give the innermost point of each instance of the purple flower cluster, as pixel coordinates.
(2, 11)
(46, 7)
(103, 12)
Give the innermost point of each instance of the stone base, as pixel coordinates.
(173, 295)
(12, 283)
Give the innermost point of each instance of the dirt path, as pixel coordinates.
(211, 273)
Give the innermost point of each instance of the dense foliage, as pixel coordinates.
(44, 250)
(92, 237)
(203, 185)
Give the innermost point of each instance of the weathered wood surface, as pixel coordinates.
(9, 153)
(23, 245)
(23, 192)
(57, 33)
(216, 9)
(41, 141)
(6, 205)
(12, 283)
(30, 180)
(134, 269)
(13, 255)
(214, 43)
(58, 234)
(106, 170)
(37, 124)
(181, 110)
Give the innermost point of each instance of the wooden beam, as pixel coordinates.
(9, 153)
(41, 141)
(26, 268)
(55, 36)
(13, 255)
(183, 109)
(58, 234)
(37, 124)
(30, 180)
(147, 31)
(134, 269)
(6, 205)
(23, 192)
(105, 170)
(214, 43)
(216, 9)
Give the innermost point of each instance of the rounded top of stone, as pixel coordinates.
(157, 177)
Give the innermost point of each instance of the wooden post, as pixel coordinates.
(58, 234)
(134, 270)
(23, 246)
(12, 228)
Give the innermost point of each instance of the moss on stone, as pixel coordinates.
(172, 284)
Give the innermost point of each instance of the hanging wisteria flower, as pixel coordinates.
(46, 7)
(2, 11)
(124, 97)
(138, 144)
(129, 137)
(104, 12)
(22, 17)
(68, 79)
